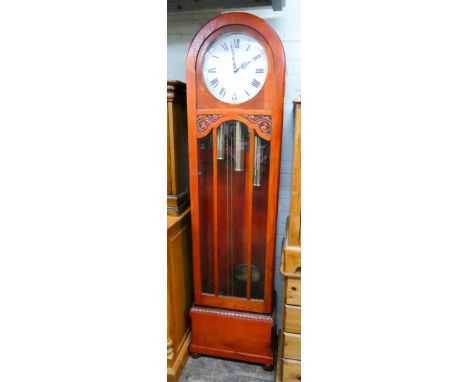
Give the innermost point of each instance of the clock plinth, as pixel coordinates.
(243, 336)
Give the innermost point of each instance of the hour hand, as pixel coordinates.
(233, 61)
(244, 64)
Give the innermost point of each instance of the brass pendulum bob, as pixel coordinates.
(240, 274)
(238, 148)
(257, 160)
(220, 147)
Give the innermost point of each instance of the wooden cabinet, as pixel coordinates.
(177, 149)
(289, 358)
(179, 292)
(179, 235)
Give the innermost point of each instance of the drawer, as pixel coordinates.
(292, 345)
(293, 291)
(292, 319)
(291, 370)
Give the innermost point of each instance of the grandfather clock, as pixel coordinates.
(235, 90)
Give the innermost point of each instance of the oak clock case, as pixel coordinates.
(235, 90)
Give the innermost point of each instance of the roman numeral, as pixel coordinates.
(248, 47)
(212, 70)
(257, 56)
(259, 70)
(214, 82)
(222, 92)
(224, 45)
(234, 98)
(214, 56)
(255, 83)
(236, 43)
(246, 92)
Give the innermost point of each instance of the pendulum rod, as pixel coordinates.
(248, 217)
(215, 208)
(231, 216)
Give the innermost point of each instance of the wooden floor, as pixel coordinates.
(208, 369)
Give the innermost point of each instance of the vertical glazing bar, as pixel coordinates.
(249, 188)
(215, 209)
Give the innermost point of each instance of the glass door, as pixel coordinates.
(233, 164)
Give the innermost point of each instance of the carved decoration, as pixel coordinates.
(205, 120)
(263, 122)
(228, 313)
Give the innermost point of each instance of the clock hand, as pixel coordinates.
(234, 61)
(244, 64)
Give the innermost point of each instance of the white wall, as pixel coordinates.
(181, 27)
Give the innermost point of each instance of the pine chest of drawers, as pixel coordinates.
(289, 351)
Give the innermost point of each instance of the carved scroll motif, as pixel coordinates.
(263, 122)
(205, 120)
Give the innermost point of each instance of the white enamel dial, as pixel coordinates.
(235, 68)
